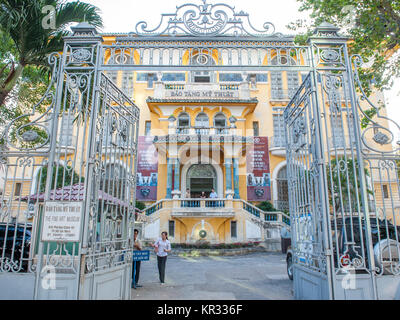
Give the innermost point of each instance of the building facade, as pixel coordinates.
(211, 91)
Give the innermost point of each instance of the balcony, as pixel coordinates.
(203, 208)
(278, 146)
(204, 134)
(203, 91)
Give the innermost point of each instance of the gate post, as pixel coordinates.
(325, 37)
(334, 99)
(83, 54)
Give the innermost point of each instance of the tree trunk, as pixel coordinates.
(10, 83)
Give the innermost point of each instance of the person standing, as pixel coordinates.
(137, 246)
(162, 248)
(213, 194)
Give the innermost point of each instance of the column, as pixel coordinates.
(176, 193)
(236, 178)
(169, 178)
(177, 175)
(228, 176)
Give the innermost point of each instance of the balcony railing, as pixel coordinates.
(229, 87)
(174, 86)
(222, 87)
(154, 208)
(206, 91)
(209, 203)
(205, 131)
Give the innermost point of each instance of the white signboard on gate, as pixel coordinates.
(62, 221)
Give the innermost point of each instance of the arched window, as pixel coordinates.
(220, 123)
(202, 124)
(183, 123)
(201, 178)
(204, 60)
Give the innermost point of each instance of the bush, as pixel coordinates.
(266, 206)
(140, 205)
(208, 245)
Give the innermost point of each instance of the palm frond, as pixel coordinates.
(78, 12)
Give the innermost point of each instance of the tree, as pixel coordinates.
(374, 27)
(65, 177)
(344, 183)
(21, 21)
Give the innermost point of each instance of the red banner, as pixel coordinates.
(147, 170)
(258, 171)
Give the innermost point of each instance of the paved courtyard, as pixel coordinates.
(259, 276)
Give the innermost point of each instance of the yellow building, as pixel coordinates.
(212, 98)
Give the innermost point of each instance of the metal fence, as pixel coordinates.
(68, 202)
(344, 197)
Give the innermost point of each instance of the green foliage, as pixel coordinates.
(266, 206)
(208, 245)
(62, 177)
(374, 26)
(140, 205)
(25, 46)
(344, 182)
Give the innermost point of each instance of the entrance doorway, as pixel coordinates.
(201, 178)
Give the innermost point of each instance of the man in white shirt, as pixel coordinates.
(213, 194)
(162, 248)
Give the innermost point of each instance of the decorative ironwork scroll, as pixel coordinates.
(206, 20)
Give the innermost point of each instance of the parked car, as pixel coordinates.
(15, 243)
(385, 241)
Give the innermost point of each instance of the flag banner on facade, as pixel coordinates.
(147, 170)
(258, 171)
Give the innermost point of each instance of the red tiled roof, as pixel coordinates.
(73, 193)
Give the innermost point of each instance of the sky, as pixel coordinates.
(123, 15)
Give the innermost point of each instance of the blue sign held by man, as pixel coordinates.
(138, 256)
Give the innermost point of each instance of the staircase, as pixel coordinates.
(270, 223)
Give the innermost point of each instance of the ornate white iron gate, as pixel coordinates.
(343, 174)
(68, 235)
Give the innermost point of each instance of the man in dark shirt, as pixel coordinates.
(137, 247)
